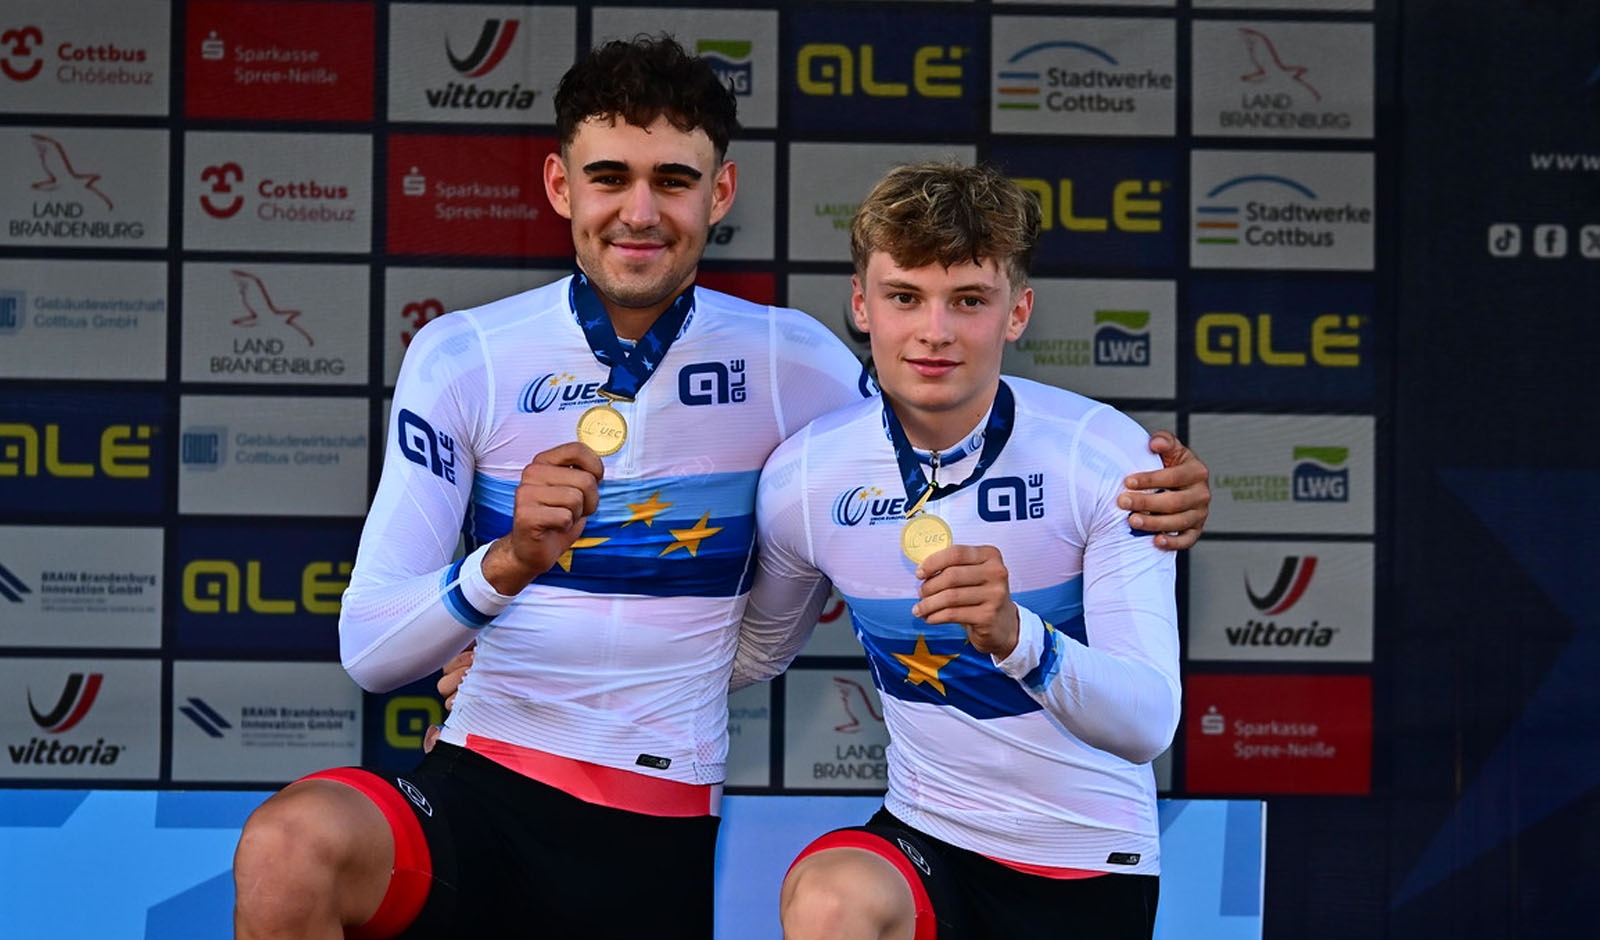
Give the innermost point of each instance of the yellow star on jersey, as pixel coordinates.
(923, 666)
(647, 511)
(691, 538)
(565, 558)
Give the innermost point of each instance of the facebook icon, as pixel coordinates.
(1550, 241)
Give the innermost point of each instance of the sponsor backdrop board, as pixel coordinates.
(1368, 311)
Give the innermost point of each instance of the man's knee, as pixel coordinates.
(317, 848)
(846, 892)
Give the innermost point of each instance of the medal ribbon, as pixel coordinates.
(630, 369)
(919, 491)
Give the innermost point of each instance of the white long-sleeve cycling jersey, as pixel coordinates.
(1042, 758)
(623, 648)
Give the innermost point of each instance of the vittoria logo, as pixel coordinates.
(77, 697)
(71, 707)
(21, 61)
(1293, 577)
(494, 41)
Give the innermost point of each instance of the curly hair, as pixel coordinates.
(641, 79)
(947, 213)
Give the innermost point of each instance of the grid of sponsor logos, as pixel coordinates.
(223, 222)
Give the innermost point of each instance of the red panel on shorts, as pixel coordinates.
(412, 877)
(927, 924)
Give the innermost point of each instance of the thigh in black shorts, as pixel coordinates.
(513, 858)
(975, 898)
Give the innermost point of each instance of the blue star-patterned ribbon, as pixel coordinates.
(630, 369)
(1002, 417)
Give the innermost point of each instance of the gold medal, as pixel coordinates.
(924, 534)
(604, 429)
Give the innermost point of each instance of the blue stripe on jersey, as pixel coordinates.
(945, 670)
(970, 680)
(686, 536)
(456, 602)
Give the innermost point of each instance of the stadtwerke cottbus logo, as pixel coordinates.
(1084, 76)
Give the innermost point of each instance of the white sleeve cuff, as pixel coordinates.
(1030, 645)
(476, 589)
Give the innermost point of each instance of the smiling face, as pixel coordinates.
(642, 201)
(937, 337)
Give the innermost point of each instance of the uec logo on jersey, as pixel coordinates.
(866, 504)
(427, 448)
(551, 389)
(712, 383)
(1009, 499)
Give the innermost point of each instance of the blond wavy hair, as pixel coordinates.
(942, 212)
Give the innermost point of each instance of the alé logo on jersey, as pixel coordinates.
(712, 383)
(72, 705)
(1000, 499)
(1011, 499)
(1320, 475)
(422, 445)
(1288, 587)
(484, 54)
